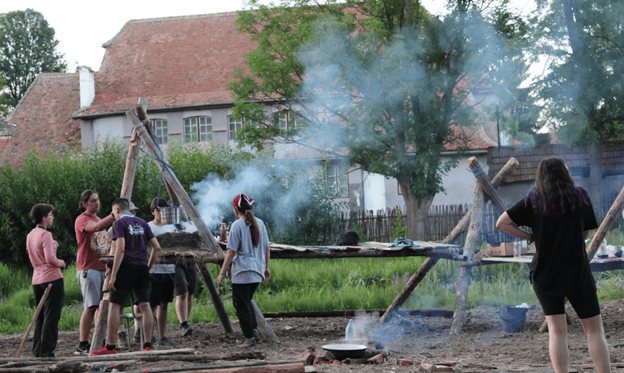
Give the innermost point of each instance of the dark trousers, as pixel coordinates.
(46, 324)
(242, 295)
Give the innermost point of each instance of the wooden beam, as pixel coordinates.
(473, 238)
(612, 215)
(264, 325)
(37, 312)
(214, 296)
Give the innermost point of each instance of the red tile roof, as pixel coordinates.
(175, 61)
(42, 117)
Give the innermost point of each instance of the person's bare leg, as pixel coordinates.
(597, 343)
(181, 307)
(162, 320)
(85, 323)
(148, 321)
(113, 323)
(558, 342)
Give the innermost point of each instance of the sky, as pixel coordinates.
(83, 26)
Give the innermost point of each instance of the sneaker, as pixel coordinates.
(83, 350)
(249, 342)
(104, 351)
(147, 349)
(186, 330)
(166, 342)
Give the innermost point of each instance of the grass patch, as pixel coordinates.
(321, 285)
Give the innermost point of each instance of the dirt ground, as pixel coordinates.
(483, 345)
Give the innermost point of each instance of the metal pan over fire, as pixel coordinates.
(344, 351)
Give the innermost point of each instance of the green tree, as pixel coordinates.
(584, 84)
(379, 80)
(27, 48)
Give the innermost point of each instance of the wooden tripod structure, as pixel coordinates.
(484, 189)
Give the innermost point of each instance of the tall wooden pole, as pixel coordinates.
(470, 247)
(612, 215)
(37, 312)
(177, 191)
(99, 332)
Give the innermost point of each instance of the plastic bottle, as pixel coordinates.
(350, 331)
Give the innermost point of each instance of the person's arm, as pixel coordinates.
(92, 226)
(505, 224)
(229, 256)
(155, 251)
(120, 250)
(49, 251)
(267, 273)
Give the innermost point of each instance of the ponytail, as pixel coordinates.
(253, 228)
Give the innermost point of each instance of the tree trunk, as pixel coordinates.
(416, 210)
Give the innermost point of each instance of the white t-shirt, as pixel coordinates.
(249, 263)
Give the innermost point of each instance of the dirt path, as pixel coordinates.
(484, 343)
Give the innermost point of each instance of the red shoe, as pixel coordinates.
(104, 351)
(147, 349)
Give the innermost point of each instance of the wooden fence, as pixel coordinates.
(379, 227)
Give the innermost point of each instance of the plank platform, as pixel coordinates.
(597, 265)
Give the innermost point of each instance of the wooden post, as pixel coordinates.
(470, 247)
(612, 215)
(264, 325)
(99, 332)
(419, 275)
(214, 296)
(37, 312)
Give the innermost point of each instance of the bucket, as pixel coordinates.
(513, 318)
(170, 215)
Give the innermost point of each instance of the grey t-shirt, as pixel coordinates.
(249, 263)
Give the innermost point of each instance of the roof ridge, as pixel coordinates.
(169, 18)
(30, 88)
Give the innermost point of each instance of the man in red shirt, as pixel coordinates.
(90, 271)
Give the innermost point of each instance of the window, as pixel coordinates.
(197, 129)
(336, 181)
(235, 125)
(280, 120)
(160, 130)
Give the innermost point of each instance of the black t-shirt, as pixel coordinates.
(560, 265)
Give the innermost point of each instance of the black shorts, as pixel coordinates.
(132, 279)
(585, 304)
(185, 279)
(161, 288)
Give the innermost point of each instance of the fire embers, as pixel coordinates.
(312, 357)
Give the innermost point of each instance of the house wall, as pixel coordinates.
(366, 191)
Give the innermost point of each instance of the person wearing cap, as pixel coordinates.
(248, 254)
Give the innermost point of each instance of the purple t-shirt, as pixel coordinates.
(137, 234)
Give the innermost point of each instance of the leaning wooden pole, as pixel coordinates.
(497, 181)
(37, 312)
(612, 215)
(419, 275)
(204, 271)
(465, 268)
(188, 205)
(173, 181)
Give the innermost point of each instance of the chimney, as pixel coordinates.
(87, 86)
